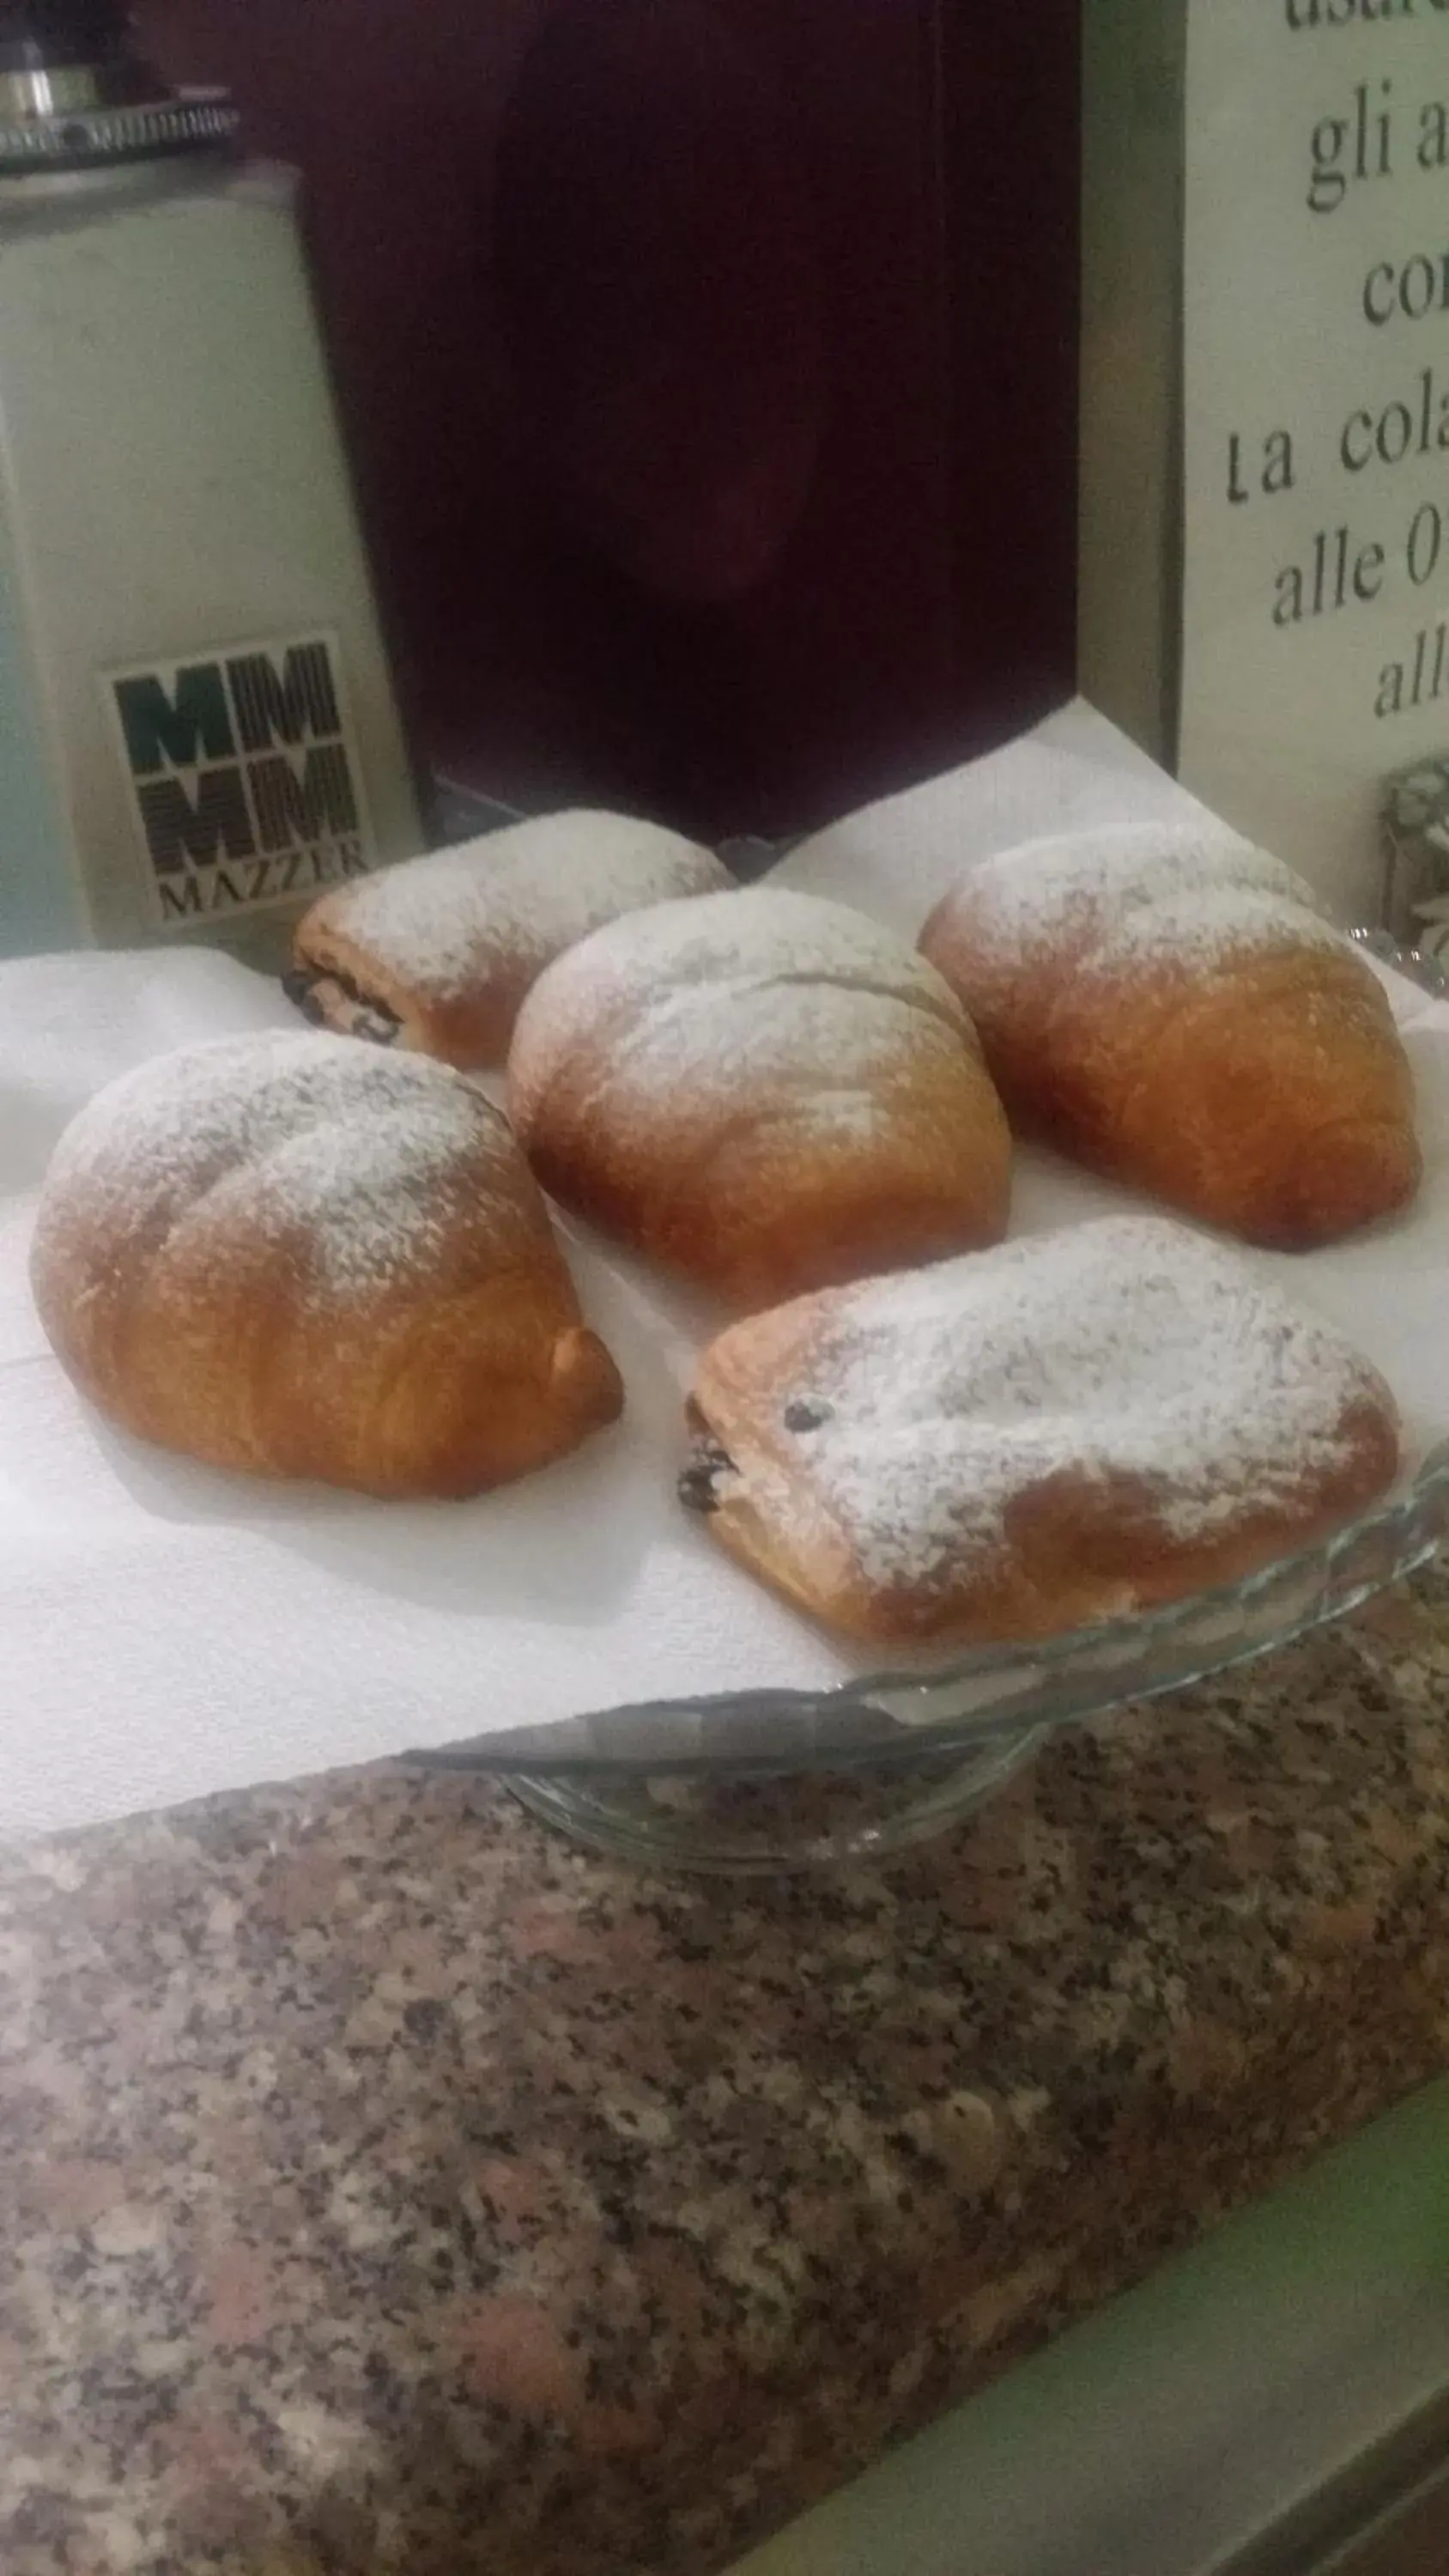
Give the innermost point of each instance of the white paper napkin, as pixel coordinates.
(169, 1632)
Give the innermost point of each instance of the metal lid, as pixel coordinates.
(77, 94)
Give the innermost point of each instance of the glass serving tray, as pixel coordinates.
(741, 1783)
(757, 1783)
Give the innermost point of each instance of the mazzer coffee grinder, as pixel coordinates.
(197, 723)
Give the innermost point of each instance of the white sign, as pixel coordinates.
(1316, 401)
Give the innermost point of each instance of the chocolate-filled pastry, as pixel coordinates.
(436, 955)
(1168, 1006)
(1066, 1429)
(763, 1092)
(298, 1257)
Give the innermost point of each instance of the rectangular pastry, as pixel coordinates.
(435, 956)
(1064, 1429)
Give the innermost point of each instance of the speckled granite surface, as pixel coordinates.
(381, 2176)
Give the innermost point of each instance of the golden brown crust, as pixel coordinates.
(1081, 1540)
(218, 1282)
(1266, 1090)
(730, 1090)
(1082, 1552)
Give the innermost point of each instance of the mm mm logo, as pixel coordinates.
(243, 778)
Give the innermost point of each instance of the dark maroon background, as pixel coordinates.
(710, 371)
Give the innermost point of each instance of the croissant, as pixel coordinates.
(437, 954)
(290, 1255)
(761, 1091)
(1171, 1009)
(1071, 1427)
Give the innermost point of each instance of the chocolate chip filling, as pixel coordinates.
(300, 986)
(315, 991)
(699, 1483)
(380, 1027)
(806, 1413)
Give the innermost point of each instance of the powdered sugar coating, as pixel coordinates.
(1126, 893)
(1126, 1347)
(516, 896)
(754, 988)
(359, 1162)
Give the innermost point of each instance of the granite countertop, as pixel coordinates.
(386, 2182)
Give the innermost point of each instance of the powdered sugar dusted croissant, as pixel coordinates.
(298, 1257)
(1169, 1007)
(762, 1091)
(437, 954)
(1064, 1429)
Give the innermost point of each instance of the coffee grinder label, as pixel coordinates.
(242, 775)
